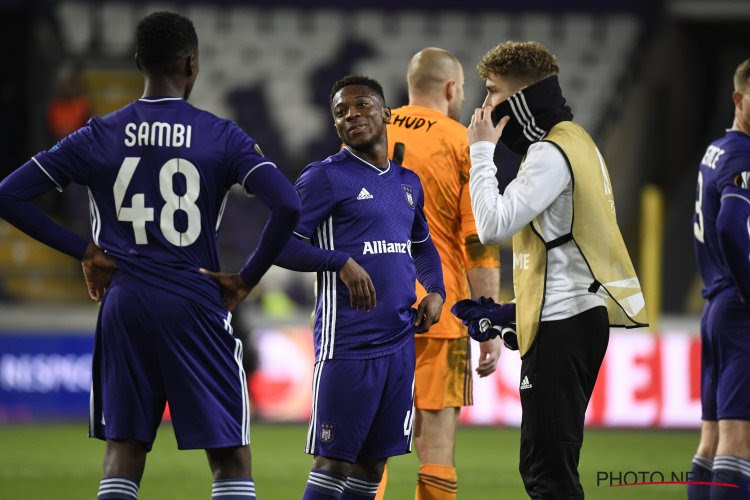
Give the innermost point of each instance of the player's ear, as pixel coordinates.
(386, 114)
(191, 64)
(450, 89)
(737, 98)
(137, 62)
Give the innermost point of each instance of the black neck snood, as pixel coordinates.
(533, 112)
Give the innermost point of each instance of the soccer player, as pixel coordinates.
(158, 173)
(721, 225)
(572, 275)
(363, 215)
(435, 147)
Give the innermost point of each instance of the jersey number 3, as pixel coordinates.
(698, 224)
(138, 213)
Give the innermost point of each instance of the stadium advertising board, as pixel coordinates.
(45, 376)
(646, 380)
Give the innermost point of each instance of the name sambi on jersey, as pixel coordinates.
(374, 216)
(724, 160)
(158, 173)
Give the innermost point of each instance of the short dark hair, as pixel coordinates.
(357, 80)
(162, 40)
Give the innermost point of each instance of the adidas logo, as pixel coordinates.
(364, 195)
(525, 384)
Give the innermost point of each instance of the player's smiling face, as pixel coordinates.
(359, 116)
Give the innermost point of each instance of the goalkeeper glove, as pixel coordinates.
(486, 320)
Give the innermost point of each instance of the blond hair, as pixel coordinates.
(742, 76)
(524, 62)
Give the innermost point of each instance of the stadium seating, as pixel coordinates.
(32, 271)
(270, 69)
(279, 50)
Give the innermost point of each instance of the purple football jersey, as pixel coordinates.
(158, 173)
(724, 159)
(374, 216)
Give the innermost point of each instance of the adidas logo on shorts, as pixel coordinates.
(525, 384)
(364, 195)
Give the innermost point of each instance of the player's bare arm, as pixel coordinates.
(483, 273)
(98, 269)
(361, 290)
(485, 282)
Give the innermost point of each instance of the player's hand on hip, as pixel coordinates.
(428, 312)
(233, 287)
(481, 127)
(361, 290)
(489, 355)
(98, 268)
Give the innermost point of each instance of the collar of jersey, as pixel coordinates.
(423, 110)
(160, 99)
(380, 171)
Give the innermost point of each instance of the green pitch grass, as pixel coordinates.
(45, 462)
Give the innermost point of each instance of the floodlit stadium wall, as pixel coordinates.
(647, 380)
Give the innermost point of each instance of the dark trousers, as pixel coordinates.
(557, 378)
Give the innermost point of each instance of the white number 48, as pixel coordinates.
(138, 213)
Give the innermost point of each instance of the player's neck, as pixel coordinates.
(163, 87)
(741, 126)
(426, 101)
(376, 156)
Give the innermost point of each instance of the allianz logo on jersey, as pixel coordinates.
(382, 246)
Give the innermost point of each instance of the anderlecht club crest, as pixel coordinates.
(409, 192)
(327, 432)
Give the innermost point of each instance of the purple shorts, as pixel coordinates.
(363, 408)
(154, 347)
(725, 357)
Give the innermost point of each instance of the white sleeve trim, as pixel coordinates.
(300, 235)
(422, 241)
(542, 179)
(733, 195)
(253, 170)
(59, 187)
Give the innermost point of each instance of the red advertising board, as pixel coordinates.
(647, 380)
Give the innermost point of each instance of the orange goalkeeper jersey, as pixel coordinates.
(436, 149)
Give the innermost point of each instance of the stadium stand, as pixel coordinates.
(34, 272)
(270, 70)
(277, 51)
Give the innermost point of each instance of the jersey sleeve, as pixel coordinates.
(733, 228)
(732, 169)
(16, 192)
(467, 225)
(316, 197)
(544, 176)
(419, 230)
(68, 160)
(244, 156)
